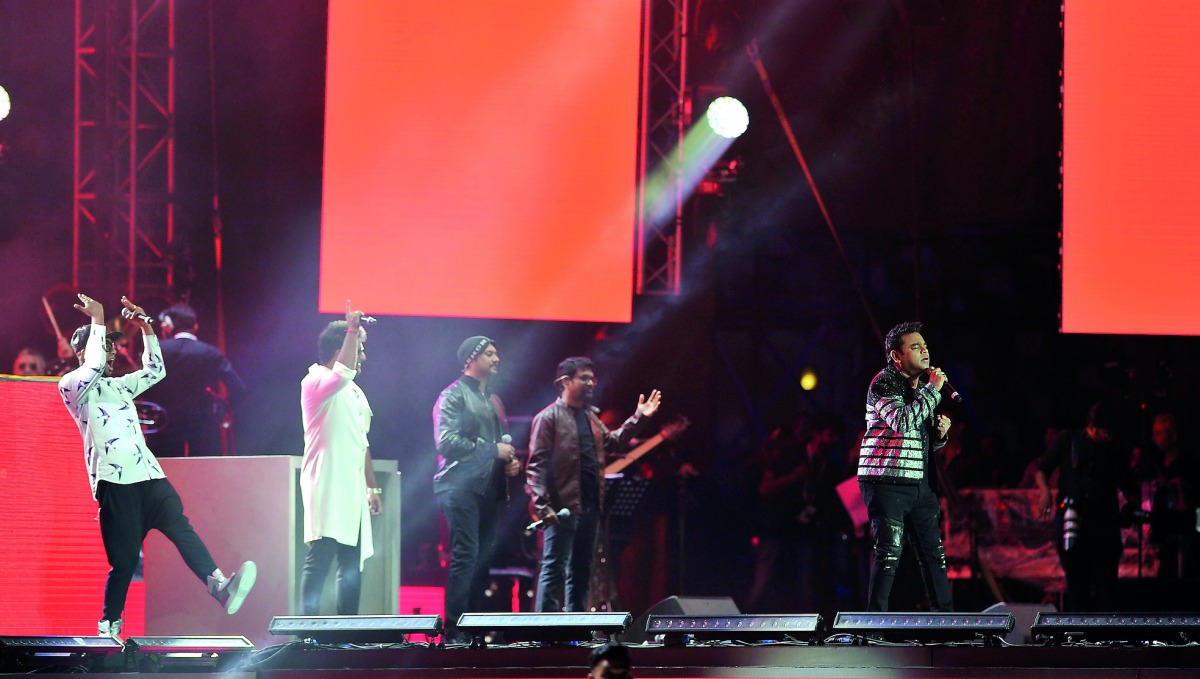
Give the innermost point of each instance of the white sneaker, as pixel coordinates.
(110, 628)
(232, 591)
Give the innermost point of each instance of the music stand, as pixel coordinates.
(622, 497)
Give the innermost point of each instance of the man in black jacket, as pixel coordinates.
(1093, 466)
(195, 369)
(469, 426)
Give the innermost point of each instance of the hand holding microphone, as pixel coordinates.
(549, 520)
(939, 381)
(505, 451)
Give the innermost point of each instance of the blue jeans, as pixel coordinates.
(568, 550)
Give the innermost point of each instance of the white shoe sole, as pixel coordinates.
(244, 582)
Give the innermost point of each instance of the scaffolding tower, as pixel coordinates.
(664, 121)
(123, 221)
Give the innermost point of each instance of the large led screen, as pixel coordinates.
(481, 158)
(1131, 161)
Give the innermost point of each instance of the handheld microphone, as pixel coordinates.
(142, 317)
(368, 320)
(562, 514)
(954, 395)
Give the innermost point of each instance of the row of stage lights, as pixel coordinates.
(208, 652)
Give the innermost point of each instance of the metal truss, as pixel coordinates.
(124, 174)
(664, 121)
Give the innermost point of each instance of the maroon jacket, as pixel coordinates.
(552, 476)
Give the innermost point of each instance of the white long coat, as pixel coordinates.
(333, 482)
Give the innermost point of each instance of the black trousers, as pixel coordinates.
(127, 514)
(891, 509)
(316, 569)
(1093, 562)
(473, 521)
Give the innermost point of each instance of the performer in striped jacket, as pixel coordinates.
(895, 468)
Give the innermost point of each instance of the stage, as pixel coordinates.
(297, 660)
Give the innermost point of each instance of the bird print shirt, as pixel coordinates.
(114, 448)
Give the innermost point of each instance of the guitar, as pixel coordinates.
(669, 432)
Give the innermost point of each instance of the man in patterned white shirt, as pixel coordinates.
(134, 493)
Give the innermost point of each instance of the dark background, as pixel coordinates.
(933, 132)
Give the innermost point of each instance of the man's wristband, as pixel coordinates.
(375, 491)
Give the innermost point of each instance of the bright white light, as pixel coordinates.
(5, 104)
(727, 117)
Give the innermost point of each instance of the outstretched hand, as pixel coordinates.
(648, 406)
(92, 308)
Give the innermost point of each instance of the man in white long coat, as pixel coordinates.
(337, 480)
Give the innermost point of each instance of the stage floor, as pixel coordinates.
(295, 661)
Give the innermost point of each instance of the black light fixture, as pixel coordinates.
(1179, 628)
(544, 626)
(925, 626)
(676, 629)
(150, 654)
(26, 653)
(356, 629)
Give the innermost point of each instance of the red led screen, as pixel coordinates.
(1131, 157)
(480, 158)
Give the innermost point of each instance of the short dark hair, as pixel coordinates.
(182, 317)
(1102, 415)
(569, 366)
(330, 340)
(895, 337)
(615, 653)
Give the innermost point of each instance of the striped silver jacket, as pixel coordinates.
(900, 429)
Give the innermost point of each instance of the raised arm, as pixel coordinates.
(73, 385)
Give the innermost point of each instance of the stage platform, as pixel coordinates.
(297, 660)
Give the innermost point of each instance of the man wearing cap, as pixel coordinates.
(134, 493)
(566, 467)
(469, 427)
(337, 478)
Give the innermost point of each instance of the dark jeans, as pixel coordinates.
(1092, 563)
(568, 550)
(892, 507)
(316, 568)
(127, 514)
(473, 520)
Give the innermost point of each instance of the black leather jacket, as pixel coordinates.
(466, 426)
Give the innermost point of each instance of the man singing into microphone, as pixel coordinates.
(469, 427)
(895, 467)
(566, 459)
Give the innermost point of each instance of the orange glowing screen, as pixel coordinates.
(1131, 158)
(480, 158)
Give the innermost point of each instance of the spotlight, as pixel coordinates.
(5, 104)
(727, 117)
(808, 380)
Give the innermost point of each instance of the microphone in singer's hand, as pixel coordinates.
(954, 395)
(142, 317)
(368, 320)
(562, 514)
